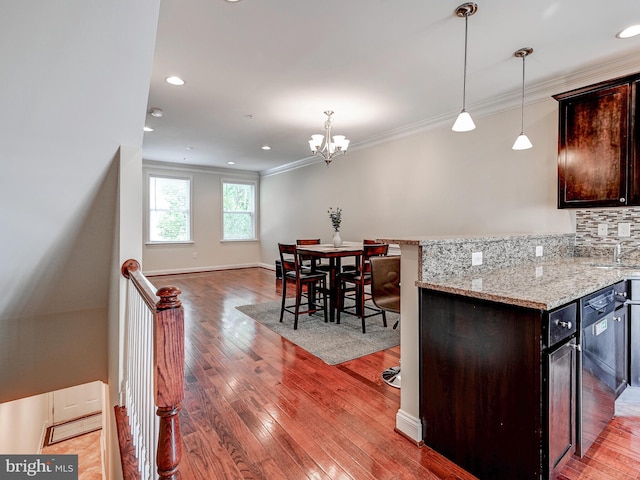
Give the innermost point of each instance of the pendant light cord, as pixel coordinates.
(522, 104)
(464, 77)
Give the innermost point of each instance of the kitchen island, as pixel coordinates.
(485, 361)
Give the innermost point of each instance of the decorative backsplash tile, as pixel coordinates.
(590, 243)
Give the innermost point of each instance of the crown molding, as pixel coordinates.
(596, 72)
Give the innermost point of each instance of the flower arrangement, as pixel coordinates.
(336, 218)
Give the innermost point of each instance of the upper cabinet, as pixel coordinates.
(597, 160)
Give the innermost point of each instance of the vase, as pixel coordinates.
(337, 241)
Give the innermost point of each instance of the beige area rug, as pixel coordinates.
(328, 341)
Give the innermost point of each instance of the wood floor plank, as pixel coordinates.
(259, 407)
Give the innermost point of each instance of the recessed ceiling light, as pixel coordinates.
(148, 129)
(629, 32)
(266, 147)
(189, 147)
(156, 112)
(231, 163)
(232, 1)
(173, 80)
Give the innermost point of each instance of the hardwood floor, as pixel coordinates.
(259, 407)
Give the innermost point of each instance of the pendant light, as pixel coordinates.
(464, 122)
(522, 142)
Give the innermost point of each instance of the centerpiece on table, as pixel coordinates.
(336, 219)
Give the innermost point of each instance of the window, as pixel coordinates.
(238, 210)
(169, 209)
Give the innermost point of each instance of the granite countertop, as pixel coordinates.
(539, 285)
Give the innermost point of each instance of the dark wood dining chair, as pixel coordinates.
(356, 281)
(385, 294)
(353, 267)
(306, 301)
(322, 267)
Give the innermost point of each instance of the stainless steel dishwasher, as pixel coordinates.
(596, 366)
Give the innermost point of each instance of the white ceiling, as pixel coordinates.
(264, 71)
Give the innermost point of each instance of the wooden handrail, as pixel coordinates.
(168, 346)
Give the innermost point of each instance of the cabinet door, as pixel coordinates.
(593, 149)
(561, 426)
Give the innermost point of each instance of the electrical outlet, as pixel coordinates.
(539, 250)
(476, 284)
(603, 229)
(476, 258)
(195, 254)
(624, 229)
(539, 271)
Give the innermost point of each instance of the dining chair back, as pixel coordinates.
(308, 286)
(356, 281)
(307, 260)
(352, 267)
(385, 283)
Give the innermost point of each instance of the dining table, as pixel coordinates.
(335, 256)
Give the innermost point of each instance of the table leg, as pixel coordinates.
(334, 267)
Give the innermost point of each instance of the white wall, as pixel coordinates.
(211, 253)
(431, 183)
(23, 425)
(74, 88)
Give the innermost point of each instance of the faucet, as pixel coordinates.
(618, 253)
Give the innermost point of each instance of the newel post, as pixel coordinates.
(169, 372)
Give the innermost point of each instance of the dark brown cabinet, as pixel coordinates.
(561, 406)
(498, 385)
(596, 145)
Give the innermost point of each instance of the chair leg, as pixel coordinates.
(324, 300)
(384, 319)
(284, 297)
(297, 309)
(339, 301)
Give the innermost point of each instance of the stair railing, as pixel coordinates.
(153, 374)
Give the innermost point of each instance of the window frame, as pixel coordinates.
(254, 213)
(189, 179)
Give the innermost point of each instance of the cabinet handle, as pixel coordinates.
(622, 294)
(567, 325)
(576, 346)
(622, 200)
(617, 319)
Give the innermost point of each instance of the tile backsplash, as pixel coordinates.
(588, 240)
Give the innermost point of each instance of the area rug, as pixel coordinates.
(330, 342)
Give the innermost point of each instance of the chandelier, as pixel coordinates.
(322, 145)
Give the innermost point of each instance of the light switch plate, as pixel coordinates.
(624, 229)
(603, 229)
(476, 258)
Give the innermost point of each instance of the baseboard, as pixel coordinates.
(177, 271)
(410, 427)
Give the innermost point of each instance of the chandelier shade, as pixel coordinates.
(325, 146)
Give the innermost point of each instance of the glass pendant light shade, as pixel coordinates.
(464, 122)
(522, 142)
